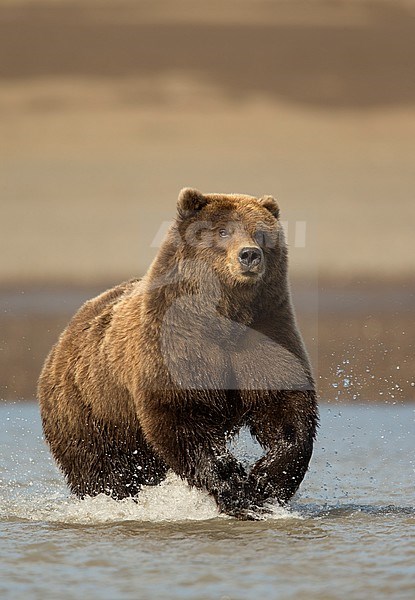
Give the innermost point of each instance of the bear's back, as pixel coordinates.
(78, 352)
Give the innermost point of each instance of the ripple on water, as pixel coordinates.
(350, 532)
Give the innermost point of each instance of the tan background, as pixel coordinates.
(108, 108)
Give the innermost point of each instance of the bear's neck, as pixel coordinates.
(170, 278)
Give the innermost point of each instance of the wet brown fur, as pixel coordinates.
(158, 373)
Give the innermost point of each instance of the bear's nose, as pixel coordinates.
(250, 257)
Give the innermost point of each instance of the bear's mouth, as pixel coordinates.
(251, 275)
(253, 271)
(244, 275)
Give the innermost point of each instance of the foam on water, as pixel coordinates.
(172, 500)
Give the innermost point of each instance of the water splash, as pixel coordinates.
(172, 500)
(32, 488)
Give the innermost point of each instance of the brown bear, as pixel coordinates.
(159, 373)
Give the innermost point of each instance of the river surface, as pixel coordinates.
(349, 533)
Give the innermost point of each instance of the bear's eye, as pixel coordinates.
(223, 233)
(261, 238)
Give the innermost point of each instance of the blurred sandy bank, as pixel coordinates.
(108, 108)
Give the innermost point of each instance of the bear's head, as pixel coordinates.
(239, 237)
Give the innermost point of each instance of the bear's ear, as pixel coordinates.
(270, 204)
(190, 201)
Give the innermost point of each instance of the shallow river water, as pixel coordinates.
(350, 532)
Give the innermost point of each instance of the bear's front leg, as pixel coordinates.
(191, 438)
(284, 423)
